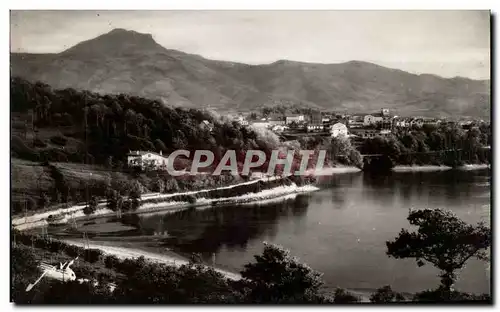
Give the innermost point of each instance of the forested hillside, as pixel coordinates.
(102, 129)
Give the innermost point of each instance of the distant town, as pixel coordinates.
(355, 126)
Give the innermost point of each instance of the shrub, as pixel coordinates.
(343, 296)
(92, 255)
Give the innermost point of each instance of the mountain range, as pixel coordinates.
(124, 61)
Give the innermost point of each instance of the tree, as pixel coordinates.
(443, 240)
(385, 295)
(114, 201)
(91, 207)
(135, 196)
(44, 201)
(277, 277)
(343, 296)
(159, 185)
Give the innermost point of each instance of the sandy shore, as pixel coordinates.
(123, 253)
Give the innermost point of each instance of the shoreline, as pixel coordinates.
(76, 212)
(133, 253)
(430, 168)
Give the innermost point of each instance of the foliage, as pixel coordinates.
(111, 261)
(342, 150)
(277, 277)
(443, 240)
(343, 296)
(24, 270)
(386, 295)
(117, 123)
(448, 144)
(441, 295)
(91, 207)
(114, 200)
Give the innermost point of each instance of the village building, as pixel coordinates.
(261, 124)
(276, 120)
(279, 128)
(339, 129)
(241, 120)
(316, 127)
(401, 122)
(370, 120)
(355, 121)
(295, 118)
(147, 160)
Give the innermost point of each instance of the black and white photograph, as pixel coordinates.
(250, 157)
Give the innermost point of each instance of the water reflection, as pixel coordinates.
(208, 230)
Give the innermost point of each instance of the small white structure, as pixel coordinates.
(279, 128)
(295, 118)
(145, 160)
(207, 125)
(338, 129)
(241, 120)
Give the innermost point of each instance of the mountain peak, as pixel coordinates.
(117, 40)
(125, 32)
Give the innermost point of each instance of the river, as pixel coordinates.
(339, 230)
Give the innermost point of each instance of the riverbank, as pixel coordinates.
(157, 202)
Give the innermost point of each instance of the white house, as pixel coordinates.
(295, 118)
(338, 129)
(146, 159)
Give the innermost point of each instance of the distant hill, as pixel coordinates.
(123, 61)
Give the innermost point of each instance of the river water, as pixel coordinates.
(340, 230)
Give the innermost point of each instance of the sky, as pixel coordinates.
(444, 43)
